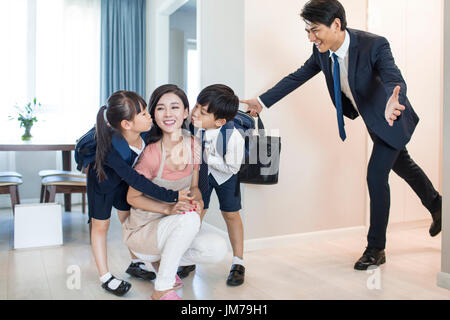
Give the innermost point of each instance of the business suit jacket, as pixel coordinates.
(372, 76)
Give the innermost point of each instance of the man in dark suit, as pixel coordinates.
(362, 79)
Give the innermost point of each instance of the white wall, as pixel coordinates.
(414, 30)
(157, 46)
(322, 180)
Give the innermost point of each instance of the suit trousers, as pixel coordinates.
(384, 158)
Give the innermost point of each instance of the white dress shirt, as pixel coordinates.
(342, 54)
(223, 168)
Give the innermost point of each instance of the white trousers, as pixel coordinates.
(181, 242)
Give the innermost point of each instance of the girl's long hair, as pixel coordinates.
(121, 105)
(156, 132)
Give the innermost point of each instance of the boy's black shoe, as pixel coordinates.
(183, 272)
(436, 225)
(120, 290)
(136, 271)
(370, 257)
(236, 276)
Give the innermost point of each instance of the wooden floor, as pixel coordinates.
(321, 269)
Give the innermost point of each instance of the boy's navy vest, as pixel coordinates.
(243, 122)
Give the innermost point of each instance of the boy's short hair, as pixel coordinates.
(221, 101)
(324, 12)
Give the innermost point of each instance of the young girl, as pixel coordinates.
(158, 233)
(119, 143)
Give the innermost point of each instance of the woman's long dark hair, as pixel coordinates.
(121, 105)
(156, 132)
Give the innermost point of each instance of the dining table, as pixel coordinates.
(45, 138)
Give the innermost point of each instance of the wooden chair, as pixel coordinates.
(48, 173)
(67, 184)
(9, 183)
(10, 174)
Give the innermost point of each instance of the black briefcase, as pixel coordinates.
(262, 158)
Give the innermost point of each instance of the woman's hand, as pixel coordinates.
(198, 199)
(179, 208)
(198, 206)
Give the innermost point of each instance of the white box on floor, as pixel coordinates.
(37, 225)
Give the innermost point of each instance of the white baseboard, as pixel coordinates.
(286, 240)
(443, 280)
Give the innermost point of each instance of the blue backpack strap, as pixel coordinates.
(224, 137)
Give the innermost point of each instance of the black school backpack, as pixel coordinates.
(85, 150)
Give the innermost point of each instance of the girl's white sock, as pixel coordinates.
(114, 284)
(237, 260)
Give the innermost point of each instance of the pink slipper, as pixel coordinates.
(178, 283)
(171, 295)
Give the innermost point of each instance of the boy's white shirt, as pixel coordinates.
(223, 168)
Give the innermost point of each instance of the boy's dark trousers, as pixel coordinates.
(384, 158)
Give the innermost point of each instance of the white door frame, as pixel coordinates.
(443, 277)
(161, 41)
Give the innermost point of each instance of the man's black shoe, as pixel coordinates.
(236, 276)
(370, 257)
(120, 290)
(183, 272)
(136, 271)
(436, 225)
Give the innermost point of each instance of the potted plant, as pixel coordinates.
(27, 118)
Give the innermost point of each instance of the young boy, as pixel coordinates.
(216, 105)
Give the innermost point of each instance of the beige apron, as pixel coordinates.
(140, 230)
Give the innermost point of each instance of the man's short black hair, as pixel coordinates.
(324, 12)
(221, 101)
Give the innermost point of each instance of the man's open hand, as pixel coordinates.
(393, 108)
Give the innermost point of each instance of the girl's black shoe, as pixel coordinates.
(136, 271)
(123, 287)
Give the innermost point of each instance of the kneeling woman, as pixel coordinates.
(168, 234)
